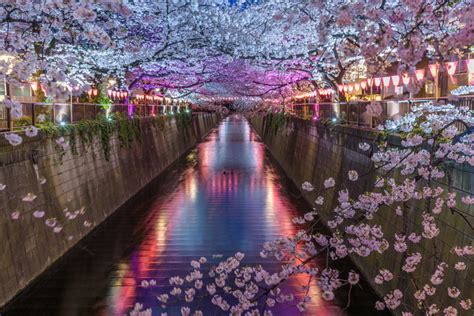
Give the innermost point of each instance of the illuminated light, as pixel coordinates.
(334, 119)
(62, 123)
(386, 81)
(396, 80)
(470, 69)
(377, 81)
(95, 92)
(470, 65)
(340, 87)
(34, 85)
(89, 92)
(109, 93)
(357, 86)
(420, 74)
(451, 67)
(351, 87)
(406, 79)
(363, 84)
(346, 88)
(434, 68)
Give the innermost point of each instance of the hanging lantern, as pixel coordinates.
(451, 67)
(356, 86)
(114, 93)
(470, 65)
(386, 81)
(470, 70)
(95, 92)
(351, 87)
(396, 80)
(109, 93)
(340, 87)
(346, 88)
(434, 68)
(420, 74)
(370, 81)
(363, 84)
(406, 79)
(34, 85)
(377, 81)
(89, 92)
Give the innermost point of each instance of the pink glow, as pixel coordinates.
(420, 74)
(386, 81)
(451, 67)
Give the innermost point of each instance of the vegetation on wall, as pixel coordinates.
(277, 121)
(128, 129)
(183, 120)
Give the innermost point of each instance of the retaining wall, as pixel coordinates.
(85, 181)
(309, 151)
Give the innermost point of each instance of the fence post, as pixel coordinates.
(9, 120)
(33, 116)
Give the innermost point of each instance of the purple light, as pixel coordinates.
(130, 109)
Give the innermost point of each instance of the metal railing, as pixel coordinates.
(34, 113)
(355, 113)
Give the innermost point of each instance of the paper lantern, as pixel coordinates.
(109, 93)
(406, 79)
(357, 86)
(470, 65)
(369, 81)
(451, 67)
(434, 68)
(95, 92)
(420, 74)
(340, 87)
(351, 87)
(363, 84)
(34, 85)
(396, 80)
(386, 81)
(377, 81)
(346, 88)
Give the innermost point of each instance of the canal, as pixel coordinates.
(225, 196)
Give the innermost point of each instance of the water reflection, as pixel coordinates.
(227, 197)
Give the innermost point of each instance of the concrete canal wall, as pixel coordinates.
(309, 151)
(83, 181)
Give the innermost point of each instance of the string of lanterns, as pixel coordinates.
(117, 94)
(386, 81)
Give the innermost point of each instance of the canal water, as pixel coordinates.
(225, 196)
